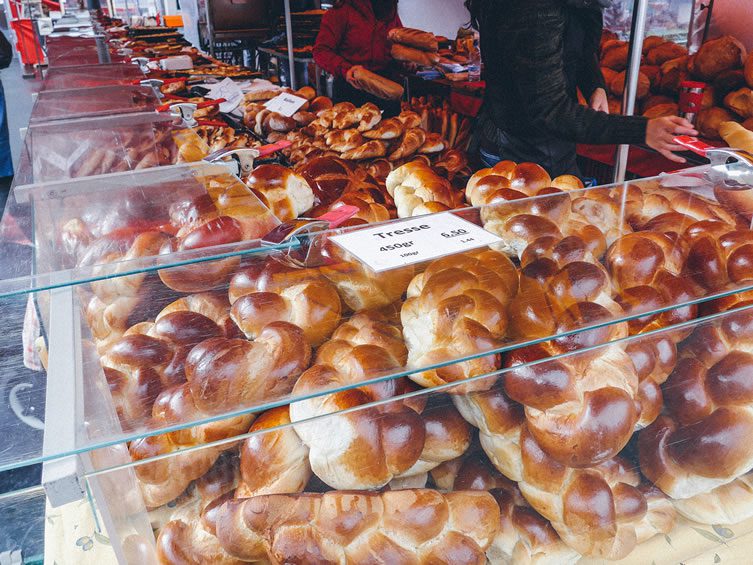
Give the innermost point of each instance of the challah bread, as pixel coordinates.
(417, 189)
(391, 128)
(285, 193)
(409, 119)
(646, 273)
(359, 287)
(730, 503)
(369, 116)
(718, 255)
(229, 213)
(414, 38)
(414, 526)
(412, 141)
(433, 144)
(344, 140)
(226, 374)
(700, 444)
(116, 298)
(600, 511)
(370, 150)
(395, 438)
(164, 479)
(273, 460)
(189, 537)
(524, 535)
(458, 307)
(150, 357)
(314, 306)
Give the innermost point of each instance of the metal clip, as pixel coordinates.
(142, 62)
(240, 161)
(184, 111)
(731, 168)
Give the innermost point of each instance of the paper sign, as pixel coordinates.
(414, 241)
(285, 104)
(228, 90)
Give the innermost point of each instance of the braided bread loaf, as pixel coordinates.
(458, 307)
(228, 213)
(189, 537)
(407, 526)
(165, 479)
(395, 438)
(150, 357)
(702, 441)
(417, 190)
(524, 535)
(269, 291)
(273, 461)
(284, 192)
(599, 510)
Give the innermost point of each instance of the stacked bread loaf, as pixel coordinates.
(414, 46)
(356, 462)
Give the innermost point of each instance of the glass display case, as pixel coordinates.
(580, 368)
(88, 76)
(75, 48)
(54, 105)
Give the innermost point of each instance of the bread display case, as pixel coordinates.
(597, 345)
(53, 105)
(88, 76)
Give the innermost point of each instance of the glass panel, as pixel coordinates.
(22, 525)
(76, 48)
(55, 105)
(548, 457)
(88, 76)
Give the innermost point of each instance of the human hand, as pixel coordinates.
(660, 134)
(599, 101)
(351, 74)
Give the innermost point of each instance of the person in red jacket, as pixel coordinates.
(353, 34)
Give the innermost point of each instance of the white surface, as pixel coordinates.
(414, 241)
(230, 91)
(441, 17)
(285, 104)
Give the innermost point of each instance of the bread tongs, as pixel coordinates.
(240, 160)
(730, 168)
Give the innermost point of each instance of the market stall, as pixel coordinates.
(271, 328)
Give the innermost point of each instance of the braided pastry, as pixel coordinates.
(458, 307)
(285, 193)
(407, 526)
(600, 510)
(150, 357)
(269, 291)
(165, 479)
(702, 441)
(411, 142)
(226, 374)
(228, 213)
(417, 190)
(273, 461)
(397, 441)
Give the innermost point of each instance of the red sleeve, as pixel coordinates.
(326, 48)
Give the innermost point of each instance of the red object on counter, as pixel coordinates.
(691, 98)
(28, 46)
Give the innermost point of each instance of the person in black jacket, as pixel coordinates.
(536, 54)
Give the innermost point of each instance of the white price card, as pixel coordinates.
(415, 240)
(286, 104)
(228, 90)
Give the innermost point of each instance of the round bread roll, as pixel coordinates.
(319, 104)
(726, 82)
(306, 92)
(709, 120)
(748, 124)
(718, 55)
(709, 97)
(653, 73)
(740, 102)
(651, 42)
(665, 52)
(617, 86)
(615, 55)
(608, 75)
(673, 72)
(615, 106)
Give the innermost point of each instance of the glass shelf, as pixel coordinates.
(54, 105)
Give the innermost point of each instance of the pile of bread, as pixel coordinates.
(721, 63)
(437, 116)
(537, 464)
(414, 46)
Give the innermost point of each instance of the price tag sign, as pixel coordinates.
(228, 90)
(415, 240)
(285, 104)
